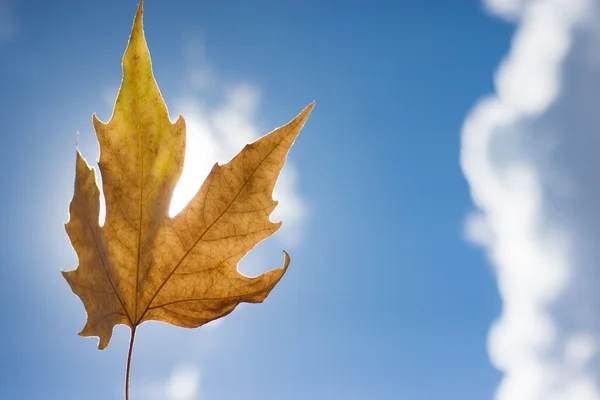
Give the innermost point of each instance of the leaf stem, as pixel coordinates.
(127, 373)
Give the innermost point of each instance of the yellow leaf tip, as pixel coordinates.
(180, 122)
(308, 109)
(96, 122)
(140, 11)
(304, 114)
(87, 332)
(84, 332)
(81, 162)
(137, 42)
(138, 22)
(286, 260)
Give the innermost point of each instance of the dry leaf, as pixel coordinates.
(143, 265)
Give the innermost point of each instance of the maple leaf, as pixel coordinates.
(141, 264)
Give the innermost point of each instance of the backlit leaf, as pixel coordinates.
(143, 265)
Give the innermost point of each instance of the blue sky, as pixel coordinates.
(412, 206)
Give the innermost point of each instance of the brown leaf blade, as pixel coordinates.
(143, 265)
(93, 281)
(231, 213)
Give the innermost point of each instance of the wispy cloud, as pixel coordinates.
(510, 9)
(182, 384)
(9, 26)
(530, 155)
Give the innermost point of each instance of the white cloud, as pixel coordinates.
(507, 8)
(8, 22)
(182, 384)
(530, 154)
(476, 229)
